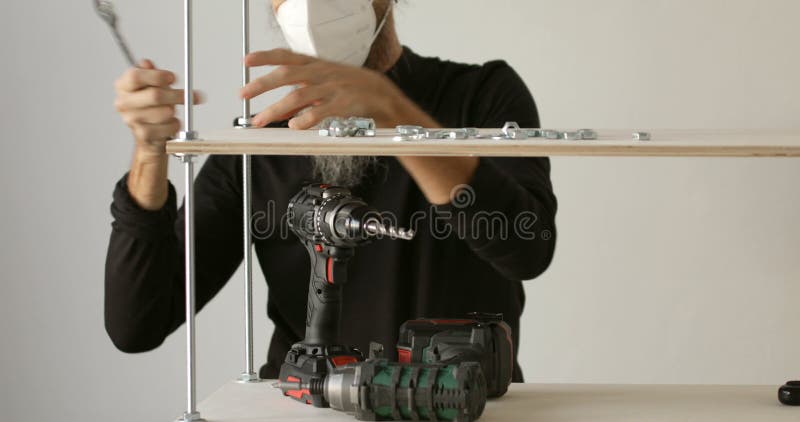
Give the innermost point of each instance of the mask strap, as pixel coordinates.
(383, 21)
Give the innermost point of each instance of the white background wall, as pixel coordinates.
(667, 270)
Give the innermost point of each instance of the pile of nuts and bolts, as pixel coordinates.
(510, 131)
(338, 127)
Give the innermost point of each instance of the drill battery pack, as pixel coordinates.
(482, 338)
(306, 364)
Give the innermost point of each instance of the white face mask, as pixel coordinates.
(341, 31)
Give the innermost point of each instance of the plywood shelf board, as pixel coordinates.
(665, 143)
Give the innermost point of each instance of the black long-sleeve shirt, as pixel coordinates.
(463, 259)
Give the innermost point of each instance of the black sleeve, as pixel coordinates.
(144, 279)
(518, 189)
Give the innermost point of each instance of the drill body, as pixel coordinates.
(331, 223)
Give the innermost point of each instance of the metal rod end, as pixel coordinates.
(185, 158)
(190, 417)
(243, 123)
(246, 378)
(187, 136)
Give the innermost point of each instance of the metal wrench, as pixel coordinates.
(105, 9)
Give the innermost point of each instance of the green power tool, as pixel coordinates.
(377, 389)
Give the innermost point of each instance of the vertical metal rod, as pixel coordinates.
(188, 134)
(245, 52)
(249, 375)
(191, 381)
(188, 98)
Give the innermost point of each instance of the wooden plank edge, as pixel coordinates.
(539, 150)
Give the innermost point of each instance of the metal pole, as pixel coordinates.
(249, 374)
(191, 413)
(188, 134)
(245, 52)
(188, 99)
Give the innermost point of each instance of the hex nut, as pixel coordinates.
(518, 134)
(510, 126)
(409, 130)
(472, 131)
(363, 123)
(493, 136)
(588, 134)
(552, 134)
(459, 134)
(570, 136)
(535, 133)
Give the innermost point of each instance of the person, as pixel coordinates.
(483, 224)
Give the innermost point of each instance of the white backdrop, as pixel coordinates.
(667, 270)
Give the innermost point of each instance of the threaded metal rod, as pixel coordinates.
(245, 52)
(191, 413)
(188, 98)
(249, 375)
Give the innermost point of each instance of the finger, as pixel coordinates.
(281, 76)
(135, 79)
(276, 57)
(151, 115)
(290, 104)
(153, 97)
(147, 64)
(312, 117)
(157, 132)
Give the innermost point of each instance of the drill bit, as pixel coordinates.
(105, 9)
(374, 228)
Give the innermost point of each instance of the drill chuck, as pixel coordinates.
(379, 390)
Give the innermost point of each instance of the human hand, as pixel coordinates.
(325, 89)
(146, 104)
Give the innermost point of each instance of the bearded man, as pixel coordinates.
(346, 60)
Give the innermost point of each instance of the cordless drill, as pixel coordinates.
(331, 223)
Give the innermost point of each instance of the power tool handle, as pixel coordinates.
(328, 274)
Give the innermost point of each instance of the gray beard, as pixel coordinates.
(341, 171)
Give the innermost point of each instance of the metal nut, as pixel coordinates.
(458, 134)
(340, 129)
(552, 134)
(408, 138)
(535, 133)
(472, 131)
(588, 134)
(409, 130)
(366, 133)
(519, 134)
(493, 136)
(509, 126)
(363, 123)
(571, 136)
(243, 123)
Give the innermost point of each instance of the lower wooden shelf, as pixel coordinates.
(664, 143)
(260, 402)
